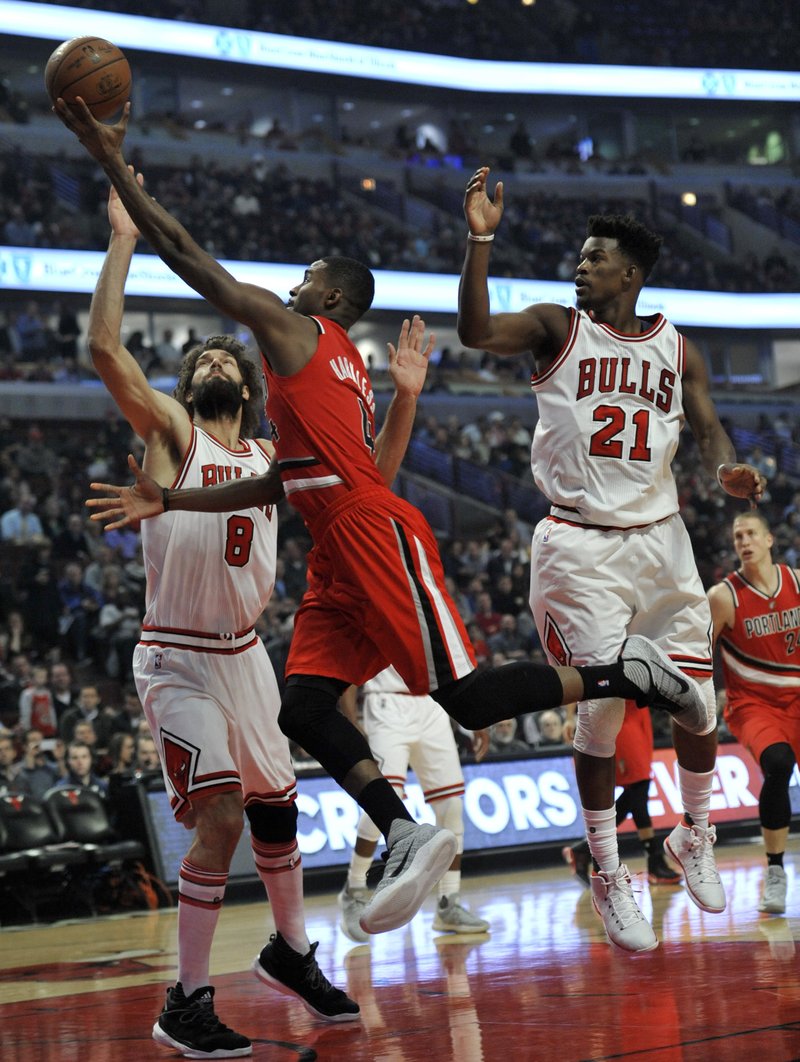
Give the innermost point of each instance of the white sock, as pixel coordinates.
(200, 895)
(601, 833)
(696, 794)
(357, 874)
(450, 884)
(281, 871)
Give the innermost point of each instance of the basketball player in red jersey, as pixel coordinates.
(376, 591)
(613, 557)
(756, 613)
(211, 699)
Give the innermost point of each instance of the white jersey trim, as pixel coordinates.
(201, 641)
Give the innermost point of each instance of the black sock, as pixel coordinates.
(648, 846)
(380, 801)
(774, 859)
(608, 680)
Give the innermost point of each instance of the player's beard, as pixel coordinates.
(217, 397)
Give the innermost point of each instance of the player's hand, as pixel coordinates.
(742, 481)
(127, 505)
(408, 362)
(480, 744)
(100, 140)
(482, 213)
(121, 222)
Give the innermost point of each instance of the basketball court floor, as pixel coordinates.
(543, 985)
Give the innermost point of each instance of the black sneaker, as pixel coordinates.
(293, 974)
(191, 1027)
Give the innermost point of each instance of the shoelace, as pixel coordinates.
(623, 904)
(201, 1012)
(701, 850)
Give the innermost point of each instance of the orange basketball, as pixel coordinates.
(92, 68)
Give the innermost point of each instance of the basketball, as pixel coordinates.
(92, 68)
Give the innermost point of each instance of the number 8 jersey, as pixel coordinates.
(209, 575)
(610, 413)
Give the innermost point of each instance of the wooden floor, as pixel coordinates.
(544, 985)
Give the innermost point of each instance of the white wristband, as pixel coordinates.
(719, 469)
(480, 239)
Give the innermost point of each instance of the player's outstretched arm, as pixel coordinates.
(246, 303)
(148, 498)
(408, 367)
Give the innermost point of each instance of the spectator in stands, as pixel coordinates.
(86, 710)
(73, 543)
(80, 605)
(294, 569)
(36, 708)
(37, 773)
(66, 332)
(503, 740)
(62, 689)
(122, 753)
(486, 615)
(36, 461)
(118, 629)
(15, 637)
(551, 728)
(509, 640)
(33, 333)
(80, 770)
(20, 525)
(146, 753)
(168, 354)
(8, 760)
(40, 597)
(131, 715)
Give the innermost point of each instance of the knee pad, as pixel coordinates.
(450, 816)
(599, 722)
(272, 823)
(777, 762)
(303, 707)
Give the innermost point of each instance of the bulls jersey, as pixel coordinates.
(323, 460)
(210, 574)
(610, 412)
(760, 653)
(386, 681)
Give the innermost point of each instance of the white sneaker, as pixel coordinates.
(613, 900)
(663, 685)
(773, 899)
(352, 903)
(692, 847)
(452, 917)
(418, 857)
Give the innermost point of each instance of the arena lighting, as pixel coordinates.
(689, 199)
(22, 19)
(36, 270)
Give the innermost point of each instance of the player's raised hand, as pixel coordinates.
(742, 481)
(127, 505)
(408, 361)
(121, 222)
(100, 140)
(482, 213)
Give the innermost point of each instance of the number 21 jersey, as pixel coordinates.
(610, 413)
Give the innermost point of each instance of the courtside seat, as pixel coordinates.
(80, 815)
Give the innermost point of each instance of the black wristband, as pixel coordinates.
(165, 498)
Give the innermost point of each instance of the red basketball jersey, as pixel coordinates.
(760, 653)
(323, 424)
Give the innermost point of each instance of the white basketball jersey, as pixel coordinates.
(386, 681)
(211, 573)
(610, 412)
